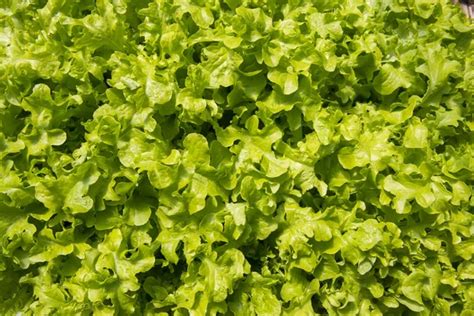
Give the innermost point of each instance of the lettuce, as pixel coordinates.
(238, 157)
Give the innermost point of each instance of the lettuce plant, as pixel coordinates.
(236, 157)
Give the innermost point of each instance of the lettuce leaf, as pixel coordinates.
(236, 157)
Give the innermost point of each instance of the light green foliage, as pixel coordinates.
(236, 157)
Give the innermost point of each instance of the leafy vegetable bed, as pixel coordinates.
(203, 157)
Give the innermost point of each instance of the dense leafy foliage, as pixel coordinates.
(244, 157)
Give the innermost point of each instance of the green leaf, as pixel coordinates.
(236, 157)
(238, 212)
(322, 231)
(350, 158)
(287, 81)
(416, 136)
(265, 302)
(390, 79)
(138, 213)
(412, 285)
